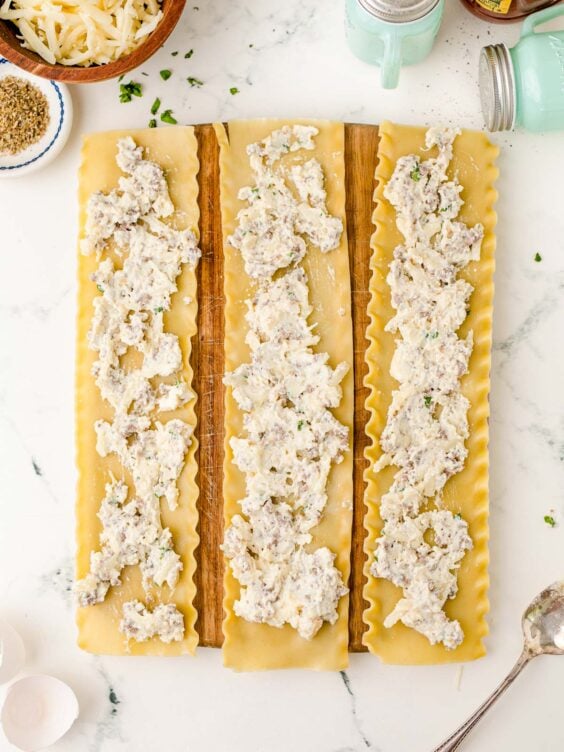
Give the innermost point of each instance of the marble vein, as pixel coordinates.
(540, 311)
(366, 743)
(20, 436)
(107, 727)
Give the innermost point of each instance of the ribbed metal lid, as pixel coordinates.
(497, 87)
(398, 11)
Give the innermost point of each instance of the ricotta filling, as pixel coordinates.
(165, 622)
(271, 229)
(286, 390)
(128, 317)
(422, 544)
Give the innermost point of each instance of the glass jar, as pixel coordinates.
(524, 85)
(392, 33)
(506, 10)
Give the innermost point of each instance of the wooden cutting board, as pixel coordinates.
(361, 143)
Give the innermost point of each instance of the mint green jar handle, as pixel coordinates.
(392, 33)
(535, 19)
(391, 63)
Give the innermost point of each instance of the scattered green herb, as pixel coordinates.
(457, 516)
(233, 90)
(155, 106)
(167, 117)
(127, 91)
(159, 309)
(549, 519)
(174, 54)
(100, 289)
(415, 174)
(194, 81)
(300, 425)
(428, 399)
(538, 257)
(152, 123)
(188, 54)
(120, 79)
(165, 74)
(431, 335)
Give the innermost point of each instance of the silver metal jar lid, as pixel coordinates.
(497, 87)
(398, 11)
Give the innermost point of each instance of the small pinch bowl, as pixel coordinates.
(12, 50)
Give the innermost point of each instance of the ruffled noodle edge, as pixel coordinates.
(255, 647)
(467, 493)
(98, 626)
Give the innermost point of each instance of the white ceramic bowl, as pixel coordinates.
(46, 149)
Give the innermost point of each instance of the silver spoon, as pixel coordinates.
(543, 632)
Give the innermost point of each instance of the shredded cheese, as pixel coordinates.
(82, 32)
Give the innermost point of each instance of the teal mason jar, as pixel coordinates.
(524, 85)
(392, 33)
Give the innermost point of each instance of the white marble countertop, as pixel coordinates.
(287, 59)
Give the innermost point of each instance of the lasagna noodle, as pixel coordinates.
(251, 646)
(175, 150)
(467, 492)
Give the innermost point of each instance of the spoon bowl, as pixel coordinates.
(543, 622)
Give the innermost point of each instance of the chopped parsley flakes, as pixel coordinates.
(549, 519)
(194, 81)
(165, 74)
(167, 117)
(234, 90)
(538, 257)
(129, 90)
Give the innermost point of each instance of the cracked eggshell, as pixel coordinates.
(38, 711)
(12, 652)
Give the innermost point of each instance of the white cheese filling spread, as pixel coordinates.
(422, 544)
(128, 316)
(286, 390)
(165, 622)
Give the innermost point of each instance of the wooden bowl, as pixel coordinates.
(12, 50)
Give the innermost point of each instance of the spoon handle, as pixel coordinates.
(456, 739)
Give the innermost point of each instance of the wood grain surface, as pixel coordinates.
(361, 143)
(12, 50)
